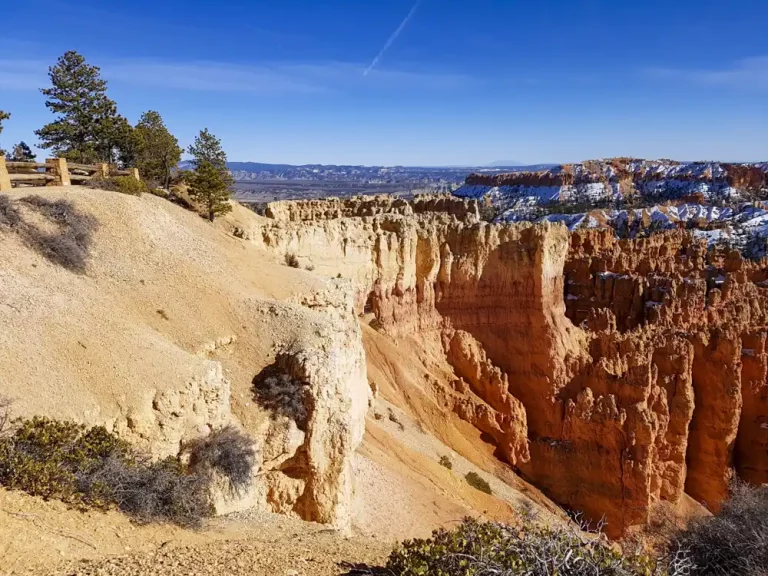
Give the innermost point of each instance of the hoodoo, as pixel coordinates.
(610, 373)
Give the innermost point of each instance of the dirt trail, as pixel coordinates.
(270, 545)
(38, 537)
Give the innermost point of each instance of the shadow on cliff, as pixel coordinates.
(498, 453)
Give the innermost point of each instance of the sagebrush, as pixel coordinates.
(735, 541)
(93, 468)
(478, 483)
(483, 549)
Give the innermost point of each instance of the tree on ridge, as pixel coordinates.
(88, 128)
(207, 148)
(210, 180)
(157, 150)
(22, 153)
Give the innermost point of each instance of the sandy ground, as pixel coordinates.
(38, 537)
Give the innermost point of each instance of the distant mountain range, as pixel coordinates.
(411, 175)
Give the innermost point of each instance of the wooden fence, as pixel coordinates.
(54, 172)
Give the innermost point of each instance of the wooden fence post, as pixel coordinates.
(5, 178)
(135, 173)
(103, 171)
(58, 167)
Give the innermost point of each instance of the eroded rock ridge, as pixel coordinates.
(613, 374)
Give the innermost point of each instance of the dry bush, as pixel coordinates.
(5, 414)
(393, 418)
(160, 491)
(735, 541)
(445, 462)
(292, 260)
(68, 246)
(9, 214)
(282, 394)
(477, 482)
(229, 452)
(92, 468)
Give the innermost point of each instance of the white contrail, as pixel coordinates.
(392, 38)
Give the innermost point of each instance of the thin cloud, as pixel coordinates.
(22, 75)
(275, 78)
(749, 73)
(209, 77)
(392, 39)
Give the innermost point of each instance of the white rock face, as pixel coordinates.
(332, 363)
(162, 421)
(318, 394)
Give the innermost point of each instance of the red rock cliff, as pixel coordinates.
(611, 373)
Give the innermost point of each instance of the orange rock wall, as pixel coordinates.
(611, 373)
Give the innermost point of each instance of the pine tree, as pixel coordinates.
(157, 150)
(209, 186)
(88, 128)
(207, 148)
(3, 116)
(22, 153)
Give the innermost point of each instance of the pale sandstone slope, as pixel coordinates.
(161, 337)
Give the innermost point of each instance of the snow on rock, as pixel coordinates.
(618, 178)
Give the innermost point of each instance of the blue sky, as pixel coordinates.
(466, 82)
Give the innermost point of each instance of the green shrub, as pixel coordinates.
(446, 462)
(477, 482)
(160, 192)
(93, 468)
(123, 184)
(45, 457)
(480, 549)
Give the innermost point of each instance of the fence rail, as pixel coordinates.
(54, 172)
